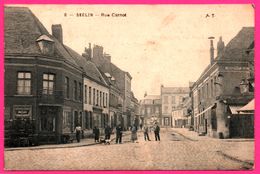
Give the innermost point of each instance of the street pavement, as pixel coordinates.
(177, 150)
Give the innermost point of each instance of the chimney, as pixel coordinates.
(145, 94)
(211, 50)
(108, 57)
(88, 52)
(57, 32)
(220, 47)
(97, 52)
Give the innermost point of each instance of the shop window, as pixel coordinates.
(66, 120)
(48, 119)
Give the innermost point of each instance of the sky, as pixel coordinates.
(157, 44)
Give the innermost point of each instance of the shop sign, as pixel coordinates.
(22, 110)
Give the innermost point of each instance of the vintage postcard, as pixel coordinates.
(129, 87)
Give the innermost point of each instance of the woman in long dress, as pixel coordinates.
(133, 133)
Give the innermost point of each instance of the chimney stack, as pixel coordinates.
(107, 57)
(57, 32)
(220, 47)
(211, 50)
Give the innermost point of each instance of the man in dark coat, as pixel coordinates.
(107, 132)
(157, 132)
(96, 134)
(78, 131)
(119, 132)
(146, 133)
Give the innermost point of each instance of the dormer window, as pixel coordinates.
(108, 75)
(46, 44)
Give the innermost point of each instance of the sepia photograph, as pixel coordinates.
(129, 87)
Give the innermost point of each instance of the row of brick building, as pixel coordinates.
(225, 86)
(50, 88)
(168, 109)
(213, 105)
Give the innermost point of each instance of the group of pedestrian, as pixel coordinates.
(96, 133)
(156, 132)
(119, 133)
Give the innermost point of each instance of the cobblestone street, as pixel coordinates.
(174, 152)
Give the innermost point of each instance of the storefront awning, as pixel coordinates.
(205, 110)
(250, 107)
(234, 109)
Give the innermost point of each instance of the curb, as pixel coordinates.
(236, 159)
(184, 136)
(55, 147)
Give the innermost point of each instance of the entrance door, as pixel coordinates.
(206, 125)
(76, 119)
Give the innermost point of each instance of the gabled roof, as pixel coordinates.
(109, 82)
(88, 67)
(237, 47)
(23, 28)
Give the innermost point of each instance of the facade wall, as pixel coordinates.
(47, 109)
(172, 98)
(96, 104)
(226, 78)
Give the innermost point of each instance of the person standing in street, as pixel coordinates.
(133, 133)
(107, 132)
(157, 132)
(146, 133)
(96, 134)
(119, 132)
(78, 131)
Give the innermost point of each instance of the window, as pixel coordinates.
(106, 100)
(89, 95)
(75, 90)
(48, 84)
(165, 98)
(103, 99)
(157, 110)
(67, 87)
(173, 99)
(166, 121)
(211, 88)
(85, 94)
(165, 109)
(24, 83)
(94, 97)
(207, 90)
(47, 118)
(97, 98)
(215, 89)
(66, 120)
(148, 110)
(180, 99)
(100, 94)
(80, 92)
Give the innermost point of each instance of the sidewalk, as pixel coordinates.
(241, 150)
(83, 142)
